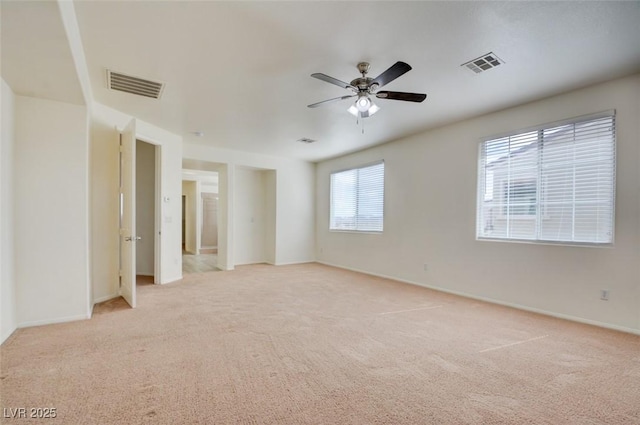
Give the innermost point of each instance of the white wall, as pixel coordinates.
(295, 213)
(225, 218)
(8, 318)
(51, 211)
(105, 241)
(105, 123)
(270, 208)
(295, 200)
(250, 216)
(430, 210)
(209, 186)
(145, 207)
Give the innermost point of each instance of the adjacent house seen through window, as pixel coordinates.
(552, 184)
(357, 199)
(522, 197)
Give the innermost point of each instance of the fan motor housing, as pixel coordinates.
(362, 83)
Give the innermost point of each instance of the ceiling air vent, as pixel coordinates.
(134, 85)
(306, 140)
(483, 63)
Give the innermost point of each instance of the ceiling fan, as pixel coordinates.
(366, 87)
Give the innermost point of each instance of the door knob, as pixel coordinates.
(132, 238)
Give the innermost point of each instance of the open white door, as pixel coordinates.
(128, 236)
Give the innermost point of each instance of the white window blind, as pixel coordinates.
(357, 199)
(552, 184)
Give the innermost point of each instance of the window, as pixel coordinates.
(357, 199)
(552, 184)
(521, 197)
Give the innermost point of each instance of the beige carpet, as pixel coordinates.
(310, 344)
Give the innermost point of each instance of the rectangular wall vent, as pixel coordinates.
(306, 140)
(483, 63)
(134, 85)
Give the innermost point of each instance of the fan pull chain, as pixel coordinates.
(359, 120)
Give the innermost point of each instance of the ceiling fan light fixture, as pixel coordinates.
(365, 88)
(363, 103)
(358, 109)
(372, 110)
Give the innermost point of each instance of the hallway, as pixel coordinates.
(201, 263)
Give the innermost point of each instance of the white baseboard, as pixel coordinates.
(172, 279)
(494, 301)
(224, 269)
(105, 298)
(3, 338)
(291, 263)
(52, 321)
(250, 263)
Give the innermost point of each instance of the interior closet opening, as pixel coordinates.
(145, 214)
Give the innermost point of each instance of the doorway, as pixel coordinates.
(139, 206)
(200, 218)
(146, 203)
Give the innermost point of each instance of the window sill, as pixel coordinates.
(545, 242)
(365, 232)
(516, 217)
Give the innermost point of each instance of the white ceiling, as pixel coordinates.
(240, 71)
(36, 58)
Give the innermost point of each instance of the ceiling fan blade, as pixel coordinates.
(335, 99)
(398, 95)
(396, 70)
(325, 77)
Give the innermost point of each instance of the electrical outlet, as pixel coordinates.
(604, 294)
(426, 267)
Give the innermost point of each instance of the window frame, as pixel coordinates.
(331, 195)
(542, 213)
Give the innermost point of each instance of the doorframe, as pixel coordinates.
(198, 216)
(157, 240)
(225, 202)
